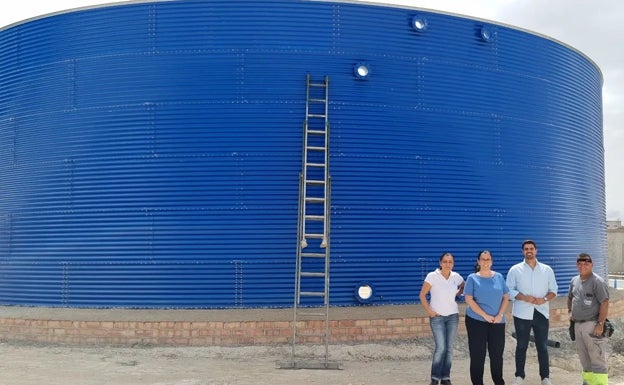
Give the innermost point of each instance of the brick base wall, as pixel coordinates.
(231, 327)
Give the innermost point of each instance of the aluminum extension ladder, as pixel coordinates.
(311, 301)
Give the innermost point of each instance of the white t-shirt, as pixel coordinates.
(443, 292)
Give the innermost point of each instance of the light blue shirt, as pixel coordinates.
(538, 282)
(487, 292)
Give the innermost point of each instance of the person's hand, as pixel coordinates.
(598, 329)
(498, 319)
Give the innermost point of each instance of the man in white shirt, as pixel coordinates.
(531, 285)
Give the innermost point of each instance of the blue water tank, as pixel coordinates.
(150, 152)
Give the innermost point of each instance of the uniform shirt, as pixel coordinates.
(586, 297)
(443, 292)
(537, 282)
(487, 292)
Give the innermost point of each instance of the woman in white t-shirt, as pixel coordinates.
(443, 286)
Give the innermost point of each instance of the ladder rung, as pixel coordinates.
(316, 132)
(312, 294)
(317, 100)
(316, 115)
(316, 236)
(315, 217)
(317, 84)
(315, 182)
(315, 148)
(313, 255)
(312, 274)
(315, 200)
(315, 164)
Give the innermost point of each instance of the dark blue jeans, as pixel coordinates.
(485, 338)
(444, 330)
(540, 325)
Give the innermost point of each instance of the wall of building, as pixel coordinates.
(615, 248)
(234, 327)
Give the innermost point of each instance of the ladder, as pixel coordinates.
(311, 301)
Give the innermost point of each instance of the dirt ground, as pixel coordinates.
(405, 362)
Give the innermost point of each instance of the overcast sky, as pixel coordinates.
(593, 27)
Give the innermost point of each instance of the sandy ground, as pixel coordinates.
(406, 362)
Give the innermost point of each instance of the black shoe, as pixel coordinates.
(446, 382)
(434, 382)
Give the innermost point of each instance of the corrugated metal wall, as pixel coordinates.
(150, 152)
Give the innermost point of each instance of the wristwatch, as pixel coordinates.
(546, 299)
(600, 322)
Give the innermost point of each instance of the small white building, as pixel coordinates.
(615, 247)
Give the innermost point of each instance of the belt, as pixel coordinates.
(587, 320)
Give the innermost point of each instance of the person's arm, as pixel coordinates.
(515, 294)
(477, 309)
(527, 298)
(552, 286)
(511, 284)
(461, 288)
(423, 299)
(570, 298)
(550, 295)
(540, 301)
(503, 308)
(602, 316)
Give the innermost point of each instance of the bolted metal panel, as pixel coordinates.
(150, 152)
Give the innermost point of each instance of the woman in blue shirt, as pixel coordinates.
(487, 296)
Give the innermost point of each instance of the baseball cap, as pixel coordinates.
(584, 258)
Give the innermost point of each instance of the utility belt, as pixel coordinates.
(607, 328)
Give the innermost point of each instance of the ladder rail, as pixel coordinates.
(327, 261)
(297, 267)
(313, 226)
(326, 209)
(304, 153)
